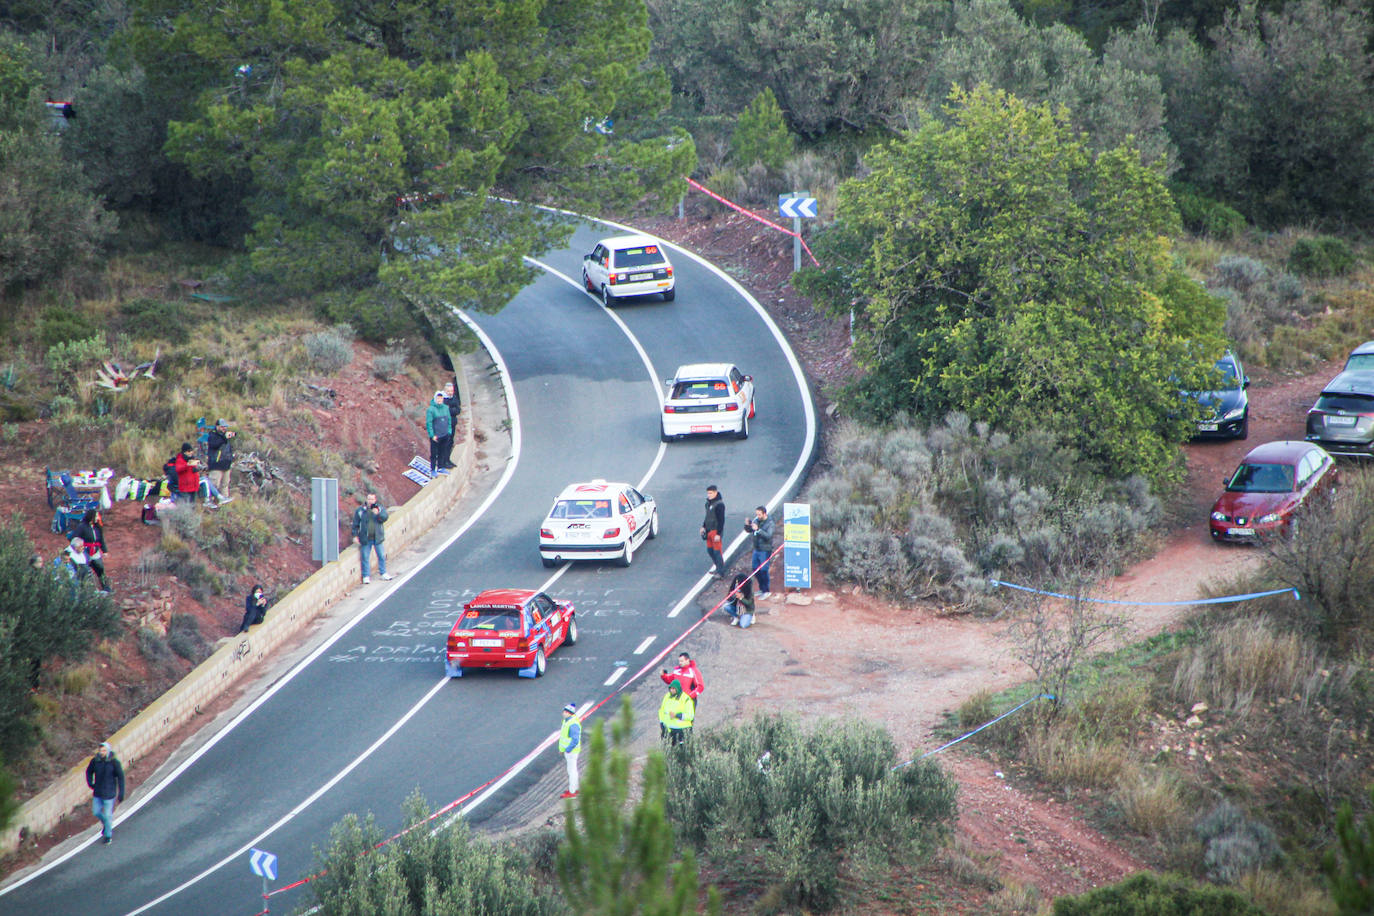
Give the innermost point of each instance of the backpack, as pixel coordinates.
(170, 471)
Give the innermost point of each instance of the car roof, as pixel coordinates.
(1366, 347)
(703, 370)
(630, 241)
(503, 597)
(1351, 381)
(590, 489)
(1287, 451)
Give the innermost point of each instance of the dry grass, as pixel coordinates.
(1241, 662)
(1066, 759)
(1284, 895)
(1151, 804)
(1016, 899)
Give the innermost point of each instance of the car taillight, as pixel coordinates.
(613, 279)
(611, 533)
(731, 406)
(669, 408)
(668, 272)
(522, 645)
(545, 533)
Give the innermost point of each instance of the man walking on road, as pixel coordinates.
(369, 533)
(570, 745)
(712, 527)
(439, 427)
(105, 777)
(761, 529)
(675, 714)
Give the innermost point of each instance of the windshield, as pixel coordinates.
(1351, 403)
(646, 256)
(1262, 478)
(1228, 374)
(701, 388)
(581, 508)
(492, 618)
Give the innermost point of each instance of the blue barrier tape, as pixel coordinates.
(1043, 696)
(1225, 600)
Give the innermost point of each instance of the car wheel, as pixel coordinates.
(606, 296)
(571, 638)
(548, 564)
(653, 526)
(540, 663)
(587, 283)
(663, 434)
(743, 431)
(1244, 428)
(628, 556)
(669, 294)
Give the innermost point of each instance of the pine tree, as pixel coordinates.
(1351, 877)
(761, 134)
(616, 858)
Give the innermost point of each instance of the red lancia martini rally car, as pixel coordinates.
(510, 628)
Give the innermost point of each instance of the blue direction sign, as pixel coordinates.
(263, 863)
(796, 207)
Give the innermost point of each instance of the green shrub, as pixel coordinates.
(1147, 894)
(1203, 215)
(60, 325)
(185, 639)
(72, 355)
(1259, 300)
(1322, 256)
(767, 802)
(157, 319)
(386, 366)
(761, 134)
(330, 350)
(153, 647)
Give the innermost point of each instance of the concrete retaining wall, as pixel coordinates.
(285, 619)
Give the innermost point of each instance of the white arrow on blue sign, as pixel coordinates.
(796, 207)
(263, 863)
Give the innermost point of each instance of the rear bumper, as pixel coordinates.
(692, 424)
(645, 288)
(602, 551)
(455, 662)
(1351, 449)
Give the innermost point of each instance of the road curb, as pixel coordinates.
(236, 657)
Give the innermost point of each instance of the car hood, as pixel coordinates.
(1224, 401)
(1253, 505)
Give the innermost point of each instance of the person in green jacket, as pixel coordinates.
(675, 714)
(439, 427)
(569, 745)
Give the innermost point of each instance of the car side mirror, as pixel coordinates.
(1246, 382)
(748, 378)
(667, 381)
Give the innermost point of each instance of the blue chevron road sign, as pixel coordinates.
(263, 863)
(796, 207)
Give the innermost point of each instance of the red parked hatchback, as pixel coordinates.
(1268, 487)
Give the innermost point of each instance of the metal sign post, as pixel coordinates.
(796, 206)
(324, 519)
(263, 863)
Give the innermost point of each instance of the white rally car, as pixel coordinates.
(708, 398)
(597, 521)
(628, 265)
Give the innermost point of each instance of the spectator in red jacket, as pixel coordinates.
(188, 474)
(688, 673)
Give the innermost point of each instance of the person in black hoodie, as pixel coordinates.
(105, 777)
(92, 534)
(711, 527)
(220, 452)
(254, 608)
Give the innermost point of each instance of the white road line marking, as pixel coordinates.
(644, 645)
(615, 676)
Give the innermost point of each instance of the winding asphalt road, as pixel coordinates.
(367, 718)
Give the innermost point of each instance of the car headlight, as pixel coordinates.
(1235, 414)
(1271, 517)
(1220, 517)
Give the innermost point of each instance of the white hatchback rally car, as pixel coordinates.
(597, 521)
(708, 398)
(628, 265)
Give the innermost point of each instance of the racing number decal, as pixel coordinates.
(630, 521)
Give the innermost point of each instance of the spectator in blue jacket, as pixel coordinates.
(105, 777)
(761, 528)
